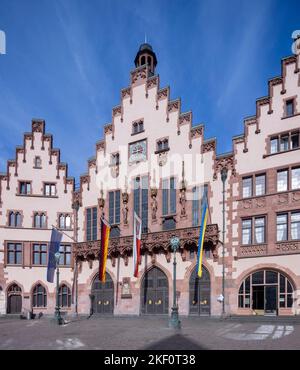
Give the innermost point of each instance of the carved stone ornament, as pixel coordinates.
(115, 171)
(283, 198)
(162, 158)
(152, 243)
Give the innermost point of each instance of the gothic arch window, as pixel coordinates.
(143, 60)
(64, 221)
(40, 220)
(64, 295)
(14, 219)
(39, 296)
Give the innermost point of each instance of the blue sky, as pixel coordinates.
(67, 60)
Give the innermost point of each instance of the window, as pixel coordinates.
(259, 226)
(91, 224)
(282, 227)
(162, 145)
(65, 255)
(284, 143)
(289, 105)
(14, 254)
(247, 232)
(199, 194)
(140, 200)
(25, 188)
(137, 127)
(37, 162)
(39, 296)
(296, 178)
(295, 140)
(259, 280)
(295, 225)
(64, 296)
(282, 180)
(169, 196)
(64, 221)
(40, 220)
(49, 190)
(39, 254)
(114, 207)
(14, 219)
(274, 145)
(260, 185)
(115, 159)
(169, 223)
(247, 187)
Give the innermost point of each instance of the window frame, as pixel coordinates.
(41, 254)
(253, 230)
(26, 183)
(15, 253)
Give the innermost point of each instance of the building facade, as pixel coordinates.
(154, 161)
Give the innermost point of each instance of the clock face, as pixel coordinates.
(138, 151)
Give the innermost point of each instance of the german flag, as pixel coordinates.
(105, 231)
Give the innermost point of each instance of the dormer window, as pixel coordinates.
(137, 127)
(289, 108)
(115, 159)
(37, 162)
(162, 145)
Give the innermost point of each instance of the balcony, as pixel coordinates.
(152, 243)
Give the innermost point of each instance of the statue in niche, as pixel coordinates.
(154, 204)
(125, 207)
(154, 208)
(182, 201)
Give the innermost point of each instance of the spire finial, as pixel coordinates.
(145, 38)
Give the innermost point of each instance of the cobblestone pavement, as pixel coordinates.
(148, 333)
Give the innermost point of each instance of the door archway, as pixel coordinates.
(199, 297)
(102, 296)
(266, 292)
(14, 299)
(155, 293)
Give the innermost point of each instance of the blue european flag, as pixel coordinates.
(56, 237)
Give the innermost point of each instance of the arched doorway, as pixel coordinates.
(266, 291)
(102, 296)
(155, 293)
(199, 288)
(14, 299)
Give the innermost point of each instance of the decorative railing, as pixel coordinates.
(153, 243)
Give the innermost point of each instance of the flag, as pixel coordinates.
(137, 236)
(201, 237)
(56, 237)
(105, 231)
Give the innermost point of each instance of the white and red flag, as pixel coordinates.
(137, 237)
